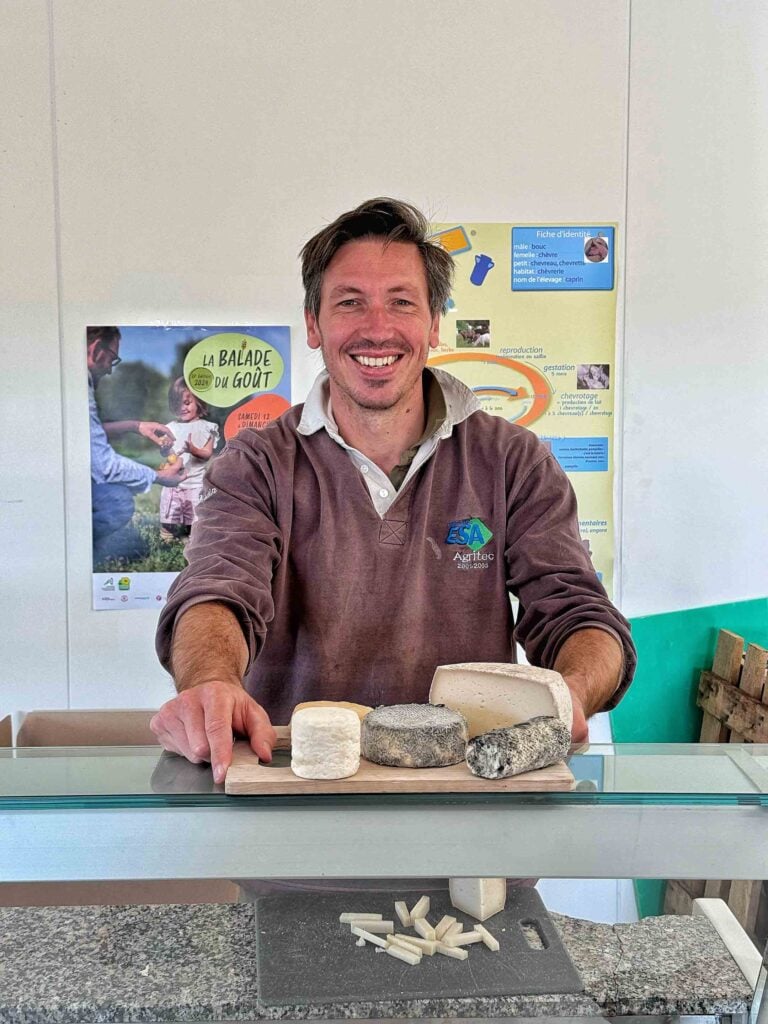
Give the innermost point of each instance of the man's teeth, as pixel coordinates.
(382, 361)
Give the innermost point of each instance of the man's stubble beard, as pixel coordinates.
(369, 403)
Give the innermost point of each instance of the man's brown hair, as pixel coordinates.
(391, 220)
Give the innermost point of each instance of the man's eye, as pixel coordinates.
(348, 302)
(403, 302)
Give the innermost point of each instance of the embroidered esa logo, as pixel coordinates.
(470, 533)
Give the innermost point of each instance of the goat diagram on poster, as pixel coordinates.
(531, 328)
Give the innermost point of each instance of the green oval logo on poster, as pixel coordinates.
(227, 367)
(200, 379)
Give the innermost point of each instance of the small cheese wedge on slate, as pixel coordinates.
(481, 898)
(494, 695)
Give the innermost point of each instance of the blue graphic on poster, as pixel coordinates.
(579, 454)
(571, 259)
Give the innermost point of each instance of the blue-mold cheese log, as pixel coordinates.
(494, 695)
(519, 748)
(414, 736)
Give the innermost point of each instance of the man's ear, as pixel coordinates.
(314, 338)
(434, 331)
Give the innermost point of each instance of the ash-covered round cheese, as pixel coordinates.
(325, 743)
(414, 736)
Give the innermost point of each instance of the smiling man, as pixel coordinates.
(377, 531)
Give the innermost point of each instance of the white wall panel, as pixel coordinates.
(695, 502)
(218, 136)
(32, 568)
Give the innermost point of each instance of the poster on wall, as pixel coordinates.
(163, 401)
(531, 328)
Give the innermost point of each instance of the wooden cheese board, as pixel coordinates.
(247, 776)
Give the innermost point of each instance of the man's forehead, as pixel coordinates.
(399, 263)
(350, 288)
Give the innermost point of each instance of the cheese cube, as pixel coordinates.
(402, 912)
(405, 942)
(481, 898)
(375, 940)
(455, 951)
(401, 953)
(424, 928)
(464, 939)
(376, 927)
(420, 908)
(490, 940)
(427, 946)
(492, 695)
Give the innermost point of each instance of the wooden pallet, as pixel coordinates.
(734, 696)
(734, 699)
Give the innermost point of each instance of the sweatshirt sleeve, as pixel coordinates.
(233, 551)
(551, 573)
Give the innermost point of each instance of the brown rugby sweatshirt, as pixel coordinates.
(338, 603)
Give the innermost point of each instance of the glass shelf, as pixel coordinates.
(612, 774)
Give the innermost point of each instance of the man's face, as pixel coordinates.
(101, 357)
(374, 328)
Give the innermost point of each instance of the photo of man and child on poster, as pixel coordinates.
(162, 403)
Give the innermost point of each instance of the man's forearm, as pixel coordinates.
(117, 427)
(208, 646)
(591, 661)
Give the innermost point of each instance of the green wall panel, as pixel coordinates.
(660, 706)
(673, 648)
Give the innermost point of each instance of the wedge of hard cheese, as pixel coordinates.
(494, 696)
(479, 897)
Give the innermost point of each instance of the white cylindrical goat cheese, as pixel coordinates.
(325, 743)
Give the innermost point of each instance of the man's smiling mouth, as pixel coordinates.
(375, 361)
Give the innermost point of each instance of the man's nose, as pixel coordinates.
(379, 323)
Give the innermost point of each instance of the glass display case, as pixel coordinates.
(636, 811)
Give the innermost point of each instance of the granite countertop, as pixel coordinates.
(185, 963)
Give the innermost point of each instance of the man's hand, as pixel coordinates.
(199, 725)
(156, 432)
(579, 729)
(590, 661)
(171, 475)
(209, 657)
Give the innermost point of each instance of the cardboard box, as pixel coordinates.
(99, 729)
(110, 894)
(113, 728)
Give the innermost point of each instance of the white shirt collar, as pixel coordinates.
(460, 402)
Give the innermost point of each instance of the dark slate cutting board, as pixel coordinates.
(305, 955)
